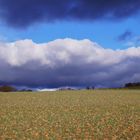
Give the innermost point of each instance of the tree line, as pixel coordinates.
(7, 88)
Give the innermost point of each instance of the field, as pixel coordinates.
(79, 115)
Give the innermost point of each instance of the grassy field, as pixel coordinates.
(87, 115)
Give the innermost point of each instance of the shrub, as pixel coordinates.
(132, 85)
(7, 89)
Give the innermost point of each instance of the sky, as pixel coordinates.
(51, 43)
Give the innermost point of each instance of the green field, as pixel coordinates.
(87, 115)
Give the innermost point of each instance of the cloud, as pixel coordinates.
(22, 13)
(67, 62)
(127, 35)
(130, 39)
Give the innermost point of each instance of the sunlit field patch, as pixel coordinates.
(79, 115)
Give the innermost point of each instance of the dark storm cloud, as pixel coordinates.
(22, 13)
(67, 62)
(127, 35)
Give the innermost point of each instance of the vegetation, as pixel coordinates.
(87, 115)
(133, 85)
(7, 89)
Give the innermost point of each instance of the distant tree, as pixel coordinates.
(7, 89)
(132, 85)
(89, 87)
(25, 90)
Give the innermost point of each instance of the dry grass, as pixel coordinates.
(87, 115)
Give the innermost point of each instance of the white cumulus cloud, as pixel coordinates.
(67, 62)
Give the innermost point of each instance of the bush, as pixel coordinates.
(7, 89)
(132, 85)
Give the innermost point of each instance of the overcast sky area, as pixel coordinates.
(51, 43)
